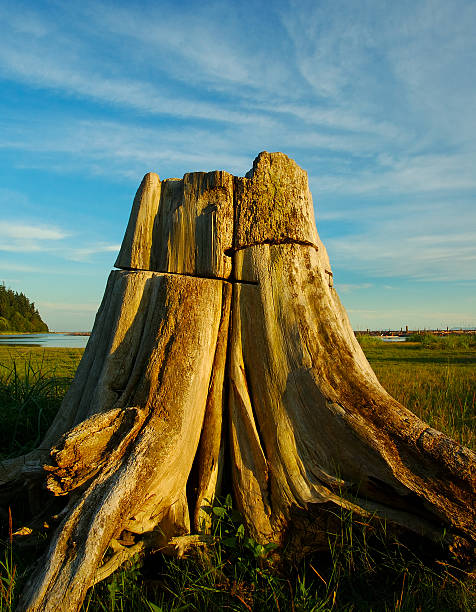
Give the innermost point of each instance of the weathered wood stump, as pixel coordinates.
(221, 345)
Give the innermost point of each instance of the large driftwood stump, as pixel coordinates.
(221, 346)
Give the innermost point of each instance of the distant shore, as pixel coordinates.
(387, 333)
(17, 333)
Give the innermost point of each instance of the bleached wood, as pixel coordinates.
(249, 464)
(183, 226)
(211, 451)
(177, 546)
(104, 371)
(328, 430)
(136, 246)
(139, 480)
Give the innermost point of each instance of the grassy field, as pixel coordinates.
(436, 383)
(366, 568)
(33, 381)
(54, 361)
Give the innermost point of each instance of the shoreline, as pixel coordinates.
(15, 333)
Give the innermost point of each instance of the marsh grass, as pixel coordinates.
(32, 386)
(63, 361)
(449, 342)
(437, 385)
(365, 568)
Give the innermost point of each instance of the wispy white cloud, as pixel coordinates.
(130, 149)
(398, 250)
(340, 118)
(26, 21)
(24, 231)
(41, 67)
(85, 253)
(211, 50)
(449, 317)
(28, 237)
(10, 266)
(330, 44)
(209, 55)
(412, 174)
(337, 71)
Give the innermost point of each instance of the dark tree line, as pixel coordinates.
(18, 314)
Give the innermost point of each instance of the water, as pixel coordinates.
(68, 341)
(44, 340)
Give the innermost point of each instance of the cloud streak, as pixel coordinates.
(85, 253)
(24, 231)
(28, 237)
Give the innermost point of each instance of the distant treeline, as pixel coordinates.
(18, 314)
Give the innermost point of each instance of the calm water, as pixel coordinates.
(45, 340)
(67, 341)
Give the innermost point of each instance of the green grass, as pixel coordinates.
(366, 568)
(61, 361)
(446, 342)
(439, 385)
(33, 382)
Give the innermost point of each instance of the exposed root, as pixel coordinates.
(176, 547)
(121, 556)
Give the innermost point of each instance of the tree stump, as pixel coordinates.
(221, 346)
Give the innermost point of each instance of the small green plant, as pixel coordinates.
(228, 527)
(7, 572)
(235, 573)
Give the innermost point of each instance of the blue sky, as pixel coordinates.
(375, 99)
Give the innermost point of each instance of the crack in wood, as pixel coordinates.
(271, 241)
(232, 281)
